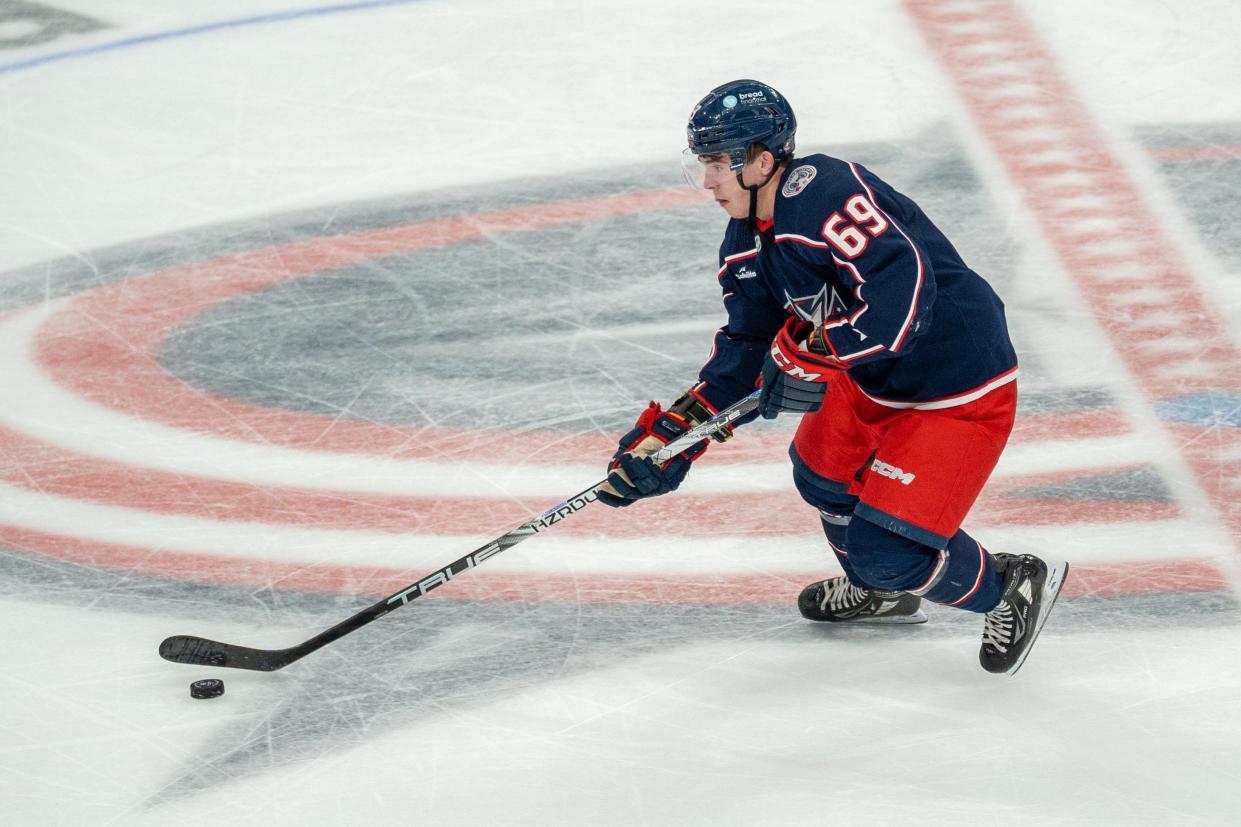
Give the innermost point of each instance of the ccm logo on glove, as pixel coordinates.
(795, 371)
(790, 367)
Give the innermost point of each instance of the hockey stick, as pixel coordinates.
(202, 652)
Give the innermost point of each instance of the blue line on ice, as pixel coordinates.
(204, 28)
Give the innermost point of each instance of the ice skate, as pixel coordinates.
(837, 600)
(1010, 629)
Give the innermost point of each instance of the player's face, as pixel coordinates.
(721, 181)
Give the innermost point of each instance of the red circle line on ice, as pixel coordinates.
(95, 347)
(105, 344)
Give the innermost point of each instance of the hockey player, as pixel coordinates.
(846, 304)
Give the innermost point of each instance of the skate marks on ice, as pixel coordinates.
(291, 348)
(1203, 162)
(567, 351)
(445, 659)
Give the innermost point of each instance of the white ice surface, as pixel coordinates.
(539, 714)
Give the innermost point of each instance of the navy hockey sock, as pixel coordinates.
(963, 575)
(971, 579)
(836, 527)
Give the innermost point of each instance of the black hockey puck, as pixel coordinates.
(207, 688)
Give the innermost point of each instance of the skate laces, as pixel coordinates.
(998, 627)
(841, 594)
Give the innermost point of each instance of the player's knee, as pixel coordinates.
(886, 560)
(824, 494)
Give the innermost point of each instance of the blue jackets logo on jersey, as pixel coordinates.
(816, 308)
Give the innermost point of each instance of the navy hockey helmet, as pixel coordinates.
(735, 116)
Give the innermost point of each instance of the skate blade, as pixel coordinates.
(1056, 575)
(892, 620)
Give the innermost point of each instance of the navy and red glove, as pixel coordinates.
(632, 474)
(796, 371)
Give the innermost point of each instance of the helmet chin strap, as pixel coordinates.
(753, 190)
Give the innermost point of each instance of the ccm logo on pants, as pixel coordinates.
(891, 472)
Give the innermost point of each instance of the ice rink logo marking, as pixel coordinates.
(205, 28)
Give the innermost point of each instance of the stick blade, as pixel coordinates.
(202, 652)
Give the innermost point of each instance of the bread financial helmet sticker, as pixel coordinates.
(798, 180)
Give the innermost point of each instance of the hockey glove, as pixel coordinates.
(796, 371)
(632, 474)
(635, 478)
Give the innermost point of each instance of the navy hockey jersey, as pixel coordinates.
(912, 324)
